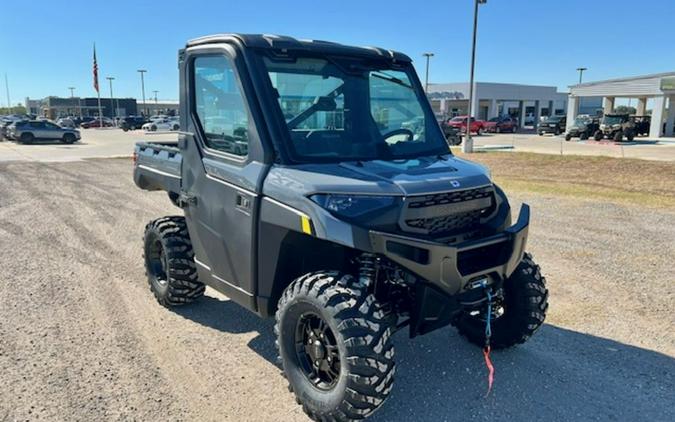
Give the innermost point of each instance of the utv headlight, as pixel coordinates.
(353, 206)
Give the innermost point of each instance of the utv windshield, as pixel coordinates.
(613, 120)
(339, 109)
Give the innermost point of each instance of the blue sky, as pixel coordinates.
(46, 46)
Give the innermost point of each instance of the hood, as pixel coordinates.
(418, 176)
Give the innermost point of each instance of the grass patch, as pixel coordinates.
(639, 182)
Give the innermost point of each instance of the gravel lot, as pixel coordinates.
(81, 337)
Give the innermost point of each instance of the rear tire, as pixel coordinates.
(568, 137)
(598, 135)
(525, 304)
(618, 136)
(27, 138)
(583, 136)
(356, 347)
(169, 262)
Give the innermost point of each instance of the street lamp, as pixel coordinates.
(581, 73)
(112, 101)
(79, 104)
(467, 145)
(142, 71)
(426, 79)
(156, 108)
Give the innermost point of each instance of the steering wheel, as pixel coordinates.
(401, 131)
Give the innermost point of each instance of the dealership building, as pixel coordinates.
(654, 94)
(528, 103)
(55, 107)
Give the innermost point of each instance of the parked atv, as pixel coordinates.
(615, 127)
(583, 128)
(642, 124)
(452, 134)
(338, 219)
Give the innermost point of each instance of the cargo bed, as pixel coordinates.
(157, 166)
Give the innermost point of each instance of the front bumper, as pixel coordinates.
(452, 268)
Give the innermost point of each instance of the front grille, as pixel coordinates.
(449, 212)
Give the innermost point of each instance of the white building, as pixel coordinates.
(658, 90)
(526, 102)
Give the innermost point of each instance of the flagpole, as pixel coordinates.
(98, 91)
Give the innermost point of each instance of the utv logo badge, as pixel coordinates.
(454, 183)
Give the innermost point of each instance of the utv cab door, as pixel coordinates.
(221, 170)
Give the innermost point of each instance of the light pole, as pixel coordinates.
(72, 95)
(581, 73)
(142, 71)
(156, 109)
(9, 101)
(112, 101)
(467, 145)
(426, 79)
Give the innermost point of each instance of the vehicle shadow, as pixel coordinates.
(51, 142)
(558, 375)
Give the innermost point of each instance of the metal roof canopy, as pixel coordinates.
(636, 86)
(280, 42)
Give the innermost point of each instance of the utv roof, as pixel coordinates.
(281, 42)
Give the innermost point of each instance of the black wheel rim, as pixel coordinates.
(317, 351)
(157, 263)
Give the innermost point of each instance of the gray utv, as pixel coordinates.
(317, 188)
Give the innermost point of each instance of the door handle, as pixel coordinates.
(185, 199)
(243, 202)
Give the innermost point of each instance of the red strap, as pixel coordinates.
(491, 369)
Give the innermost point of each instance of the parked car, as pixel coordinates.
(27, 132)
(584, 127)
(502, 124)
(132, 122)
(459, 122)
(66, 122)
(4, 125)
(554, 124)
(79, 120)
(97, 123)
(161, 124)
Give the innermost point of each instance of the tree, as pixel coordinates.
(18, 109)
(622, 109)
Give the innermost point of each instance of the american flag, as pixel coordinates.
(95, 70)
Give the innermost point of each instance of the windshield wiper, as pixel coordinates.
(391, 79)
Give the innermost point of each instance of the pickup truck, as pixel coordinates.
(317, 188)
(459, 122)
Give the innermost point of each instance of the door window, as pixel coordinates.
(394, 105)
(220, 106)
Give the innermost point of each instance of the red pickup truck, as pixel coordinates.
(459, 122)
